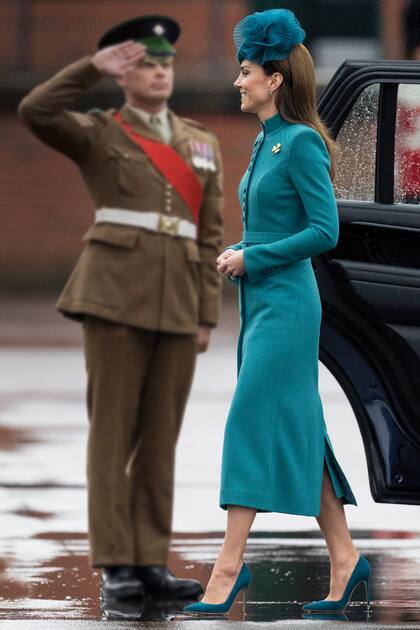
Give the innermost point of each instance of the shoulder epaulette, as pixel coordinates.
(198, 125)
(194, 123)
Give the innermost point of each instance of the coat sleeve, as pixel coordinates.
(237, 246)
(44, 110)
(308, 168)
(210, 238)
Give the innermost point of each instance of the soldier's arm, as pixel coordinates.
(210, 238)
(45, 110)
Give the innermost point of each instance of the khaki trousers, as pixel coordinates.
(138, 385)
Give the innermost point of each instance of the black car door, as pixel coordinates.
(370, 282)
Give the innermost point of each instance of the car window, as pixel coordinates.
(407, 145)
(356, 149)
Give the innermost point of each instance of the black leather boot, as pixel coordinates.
(121, 582)
(160, 582)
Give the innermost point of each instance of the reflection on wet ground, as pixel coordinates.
(47, 577)
(11, 439)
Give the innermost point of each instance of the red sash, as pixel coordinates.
(172, 167)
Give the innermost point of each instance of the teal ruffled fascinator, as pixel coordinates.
(267, 35)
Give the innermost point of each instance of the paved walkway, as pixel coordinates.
(43, 543)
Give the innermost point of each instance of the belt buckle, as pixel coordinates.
(168, 225)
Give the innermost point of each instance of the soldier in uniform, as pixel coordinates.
(145, 287)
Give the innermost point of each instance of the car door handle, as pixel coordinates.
(382, 225)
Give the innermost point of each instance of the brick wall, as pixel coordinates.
(46, 34)
(46, 209)
(44, 206)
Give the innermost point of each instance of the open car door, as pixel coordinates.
(370, 282)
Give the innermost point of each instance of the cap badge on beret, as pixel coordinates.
(158, 29)
(267, 35)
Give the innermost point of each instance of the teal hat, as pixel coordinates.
(267, 35)
(156, 32)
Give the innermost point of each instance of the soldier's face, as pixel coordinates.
(254, 86)
(149, 80)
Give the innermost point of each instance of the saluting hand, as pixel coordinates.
(115, 61)
(231, 263)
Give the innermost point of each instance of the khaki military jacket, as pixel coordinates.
(128, 274)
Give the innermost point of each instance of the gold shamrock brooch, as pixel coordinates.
(276, 148)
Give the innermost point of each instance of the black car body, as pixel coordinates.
(370, 282)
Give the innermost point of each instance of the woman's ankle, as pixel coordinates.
(341, 560)
(228, 566)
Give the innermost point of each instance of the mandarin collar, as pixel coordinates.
(273, 124)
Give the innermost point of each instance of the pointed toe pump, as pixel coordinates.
(361, 573)
(242, 581)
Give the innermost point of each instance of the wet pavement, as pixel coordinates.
(45, 579)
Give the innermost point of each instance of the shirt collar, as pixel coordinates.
(145, 116)
(274, 123)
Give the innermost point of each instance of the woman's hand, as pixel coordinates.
(115, 61)
(231, 263)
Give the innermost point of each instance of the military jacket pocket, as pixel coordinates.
(133, 169)
(114, 235)
(192, 251)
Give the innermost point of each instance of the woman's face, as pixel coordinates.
(254, 86)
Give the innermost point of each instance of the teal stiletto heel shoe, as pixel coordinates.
(361, 573)
(242, 581)
(368, 591)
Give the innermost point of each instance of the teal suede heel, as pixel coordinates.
(242, 581)
(361, 573)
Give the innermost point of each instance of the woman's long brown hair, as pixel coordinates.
(296, 97)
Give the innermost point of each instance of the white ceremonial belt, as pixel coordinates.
(155, 221)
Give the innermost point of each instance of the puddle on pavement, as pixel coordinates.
(47, 576)
(12, 439)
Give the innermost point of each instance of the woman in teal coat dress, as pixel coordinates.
(277, 455)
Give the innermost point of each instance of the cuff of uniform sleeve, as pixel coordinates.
(89, 73)
(209, 313)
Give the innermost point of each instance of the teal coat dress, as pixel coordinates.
(276, 442)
